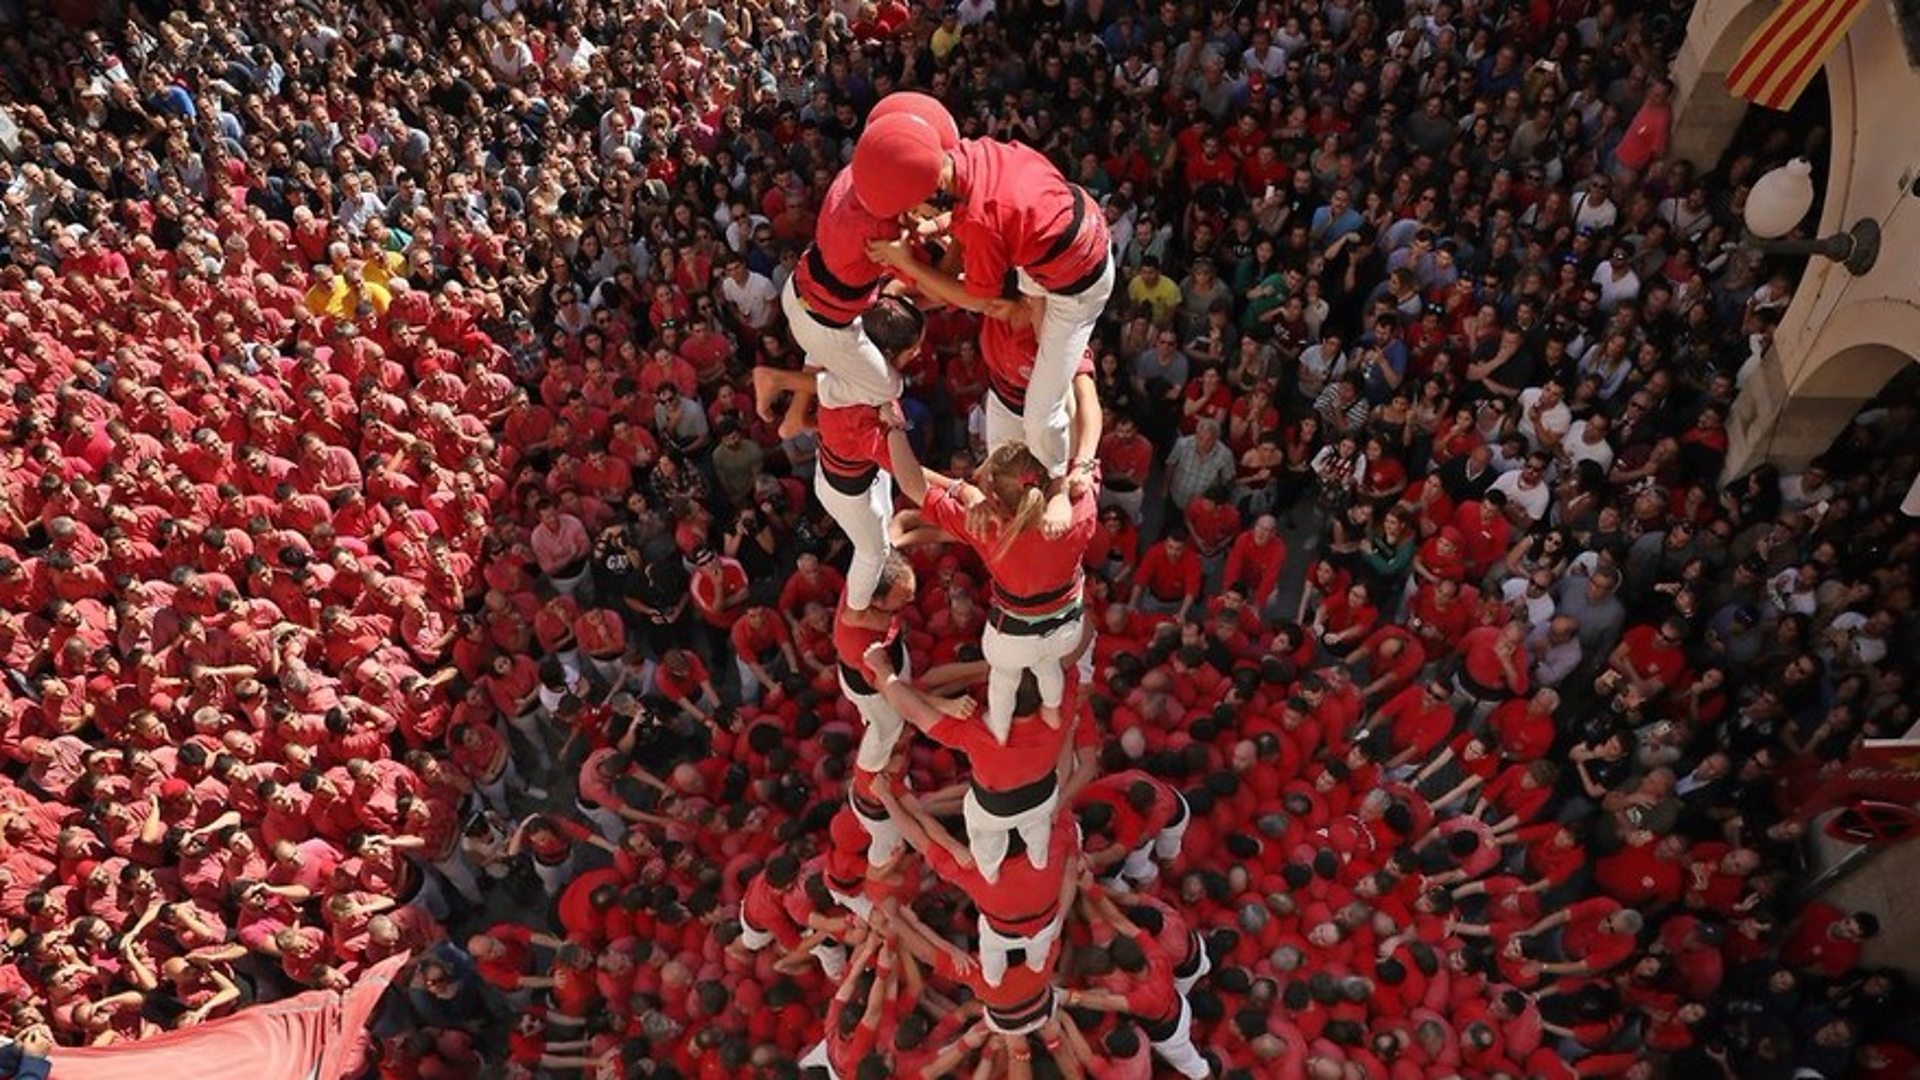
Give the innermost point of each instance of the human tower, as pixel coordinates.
(922, 217)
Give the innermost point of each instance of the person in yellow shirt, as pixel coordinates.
(346, 293)
(1155, 290)
(947, 37)
(382, 260)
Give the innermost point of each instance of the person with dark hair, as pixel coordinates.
(1149, 821)
(852, 481)
(1151, 995)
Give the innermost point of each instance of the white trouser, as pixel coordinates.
(1140, 867)
(817, 1059)
(884, 836)
(994, 947)
(833, 959)
(529, 726)
(494, 792)
(1186, 983)
(1011, 655)
(1085, 666)
(568, 586)
(1178, 1050)
(853, 370)
(1129, 501)
(752, 938)
(864, 518)
(882, 722)
(554, 878)
(859, 905)
(609, 670)
(1064, 334)
(988, 835)
(607, 822)
(1003, 425)
(459, 874)
(749, 683)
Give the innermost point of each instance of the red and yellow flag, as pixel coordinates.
(1780, 58)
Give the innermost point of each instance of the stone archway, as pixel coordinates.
(1823, 406)
(1791, 415)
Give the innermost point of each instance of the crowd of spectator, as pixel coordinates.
(392, 558)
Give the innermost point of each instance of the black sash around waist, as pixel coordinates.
(1016, 801)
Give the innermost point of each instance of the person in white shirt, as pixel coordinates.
(577, 53)
(1689, 214)
(974, 12)
(1856, 640)
(753, 297)
(1320, 363)
(510, 56)
(1593, 209)
(1264, 56)
(1802, 490)
(1544, 417)
(1618, 283)
(1526, 491)
(1532, 594)
(1587, 441)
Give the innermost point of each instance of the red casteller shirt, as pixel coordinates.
(853, 441)
(1654, 659)
(1015, 211)
(762, 641)
(673, 688)
(1025, 900)
(835, 277)
(1032, 750)
(506, 970)
(1809, 946)
(1584, 939)
(1032, 575)
(1126, 456)
(1215, 525)
(1166, 578)
(1482, 665)
(1255, 565)
(851, 642)
(1416, 720)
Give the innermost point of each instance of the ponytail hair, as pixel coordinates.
(1015, 482)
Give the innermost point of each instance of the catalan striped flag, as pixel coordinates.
(1780, 58)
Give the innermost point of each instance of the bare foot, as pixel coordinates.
(764, 392)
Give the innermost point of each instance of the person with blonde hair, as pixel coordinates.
(1036, 621)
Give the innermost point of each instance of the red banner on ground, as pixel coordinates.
(1881, 771)
(319, 1035)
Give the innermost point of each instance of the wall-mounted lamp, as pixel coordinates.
(1781, 199)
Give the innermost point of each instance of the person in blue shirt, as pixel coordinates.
(1383, 359)
(1335, 220)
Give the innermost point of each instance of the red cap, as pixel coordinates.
(914, 103)
(897, 164)
(175, 788)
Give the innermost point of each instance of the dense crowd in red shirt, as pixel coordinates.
(382, 469)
